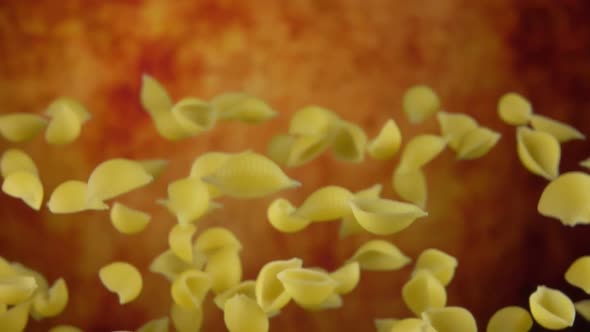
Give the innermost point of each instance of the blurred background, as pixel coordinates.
(354, 57)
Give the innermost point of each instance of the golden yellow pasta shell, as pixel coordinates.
(420, 150)
(25, 186)
(155, 325)
(567, 198)
(64, 127)
(186, 320)
(347, 277)
(153, 96)
(583, 309)
(70, 328)
(561, 131)
(180, 241)
(312, 120)
(154, 167)
(217, 238)
(539, 152)
(280, 215)
(16, 318)
(242, 314)
(16, 289)
(453, 126)
(578, 274)
(247, 287)
(419, 103)
(510, 319)
(326, 203)
(307, 287)
(349, 142)
(20, 127)
(170, 266)
(423, 291)
(440, 264)
(194, 115)
(205, 165)
(305, 148)
(53, 301)
(71, 196)
(242, 107)
(188, 199)
(190, 288)
(387, 142)
(279, 148)
(551, 308)
(383, 216)
(115, 177)
(450, 319)
(169, 128)
(127, 220)
(477, 143)
(270, 292)
(411, 186)
(379, 255)
(514, 109)
(225, 269)
(13, 160)
(75, 106)
(123, 279)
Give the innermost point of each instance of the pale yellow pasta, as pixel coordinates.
(242, 107)
(188, 199)
(383, 216)
(567, 198)
(477, 143)
(115, 177)
(52, 302)
(280, 215)
(585, 163)
(64, 127)
(334, 301)
(411, 186)
(186, 320)
(7, 269)
(419, 103)
(242, 314)
(387, 143)
(14, 160)
(71, 196)
(170, 265)
(440, 264)
(538, 152)
(247, 287)
(347, 277)
(423, 291)
(279, 148)
(583, 309)
(70, 328)
(169, 128)
(578, 274)
(561, 131)
(16, 289)
(190, 288)
(305, 148)
(153, 96)
(411, 325)
(16, 318)
(307, 287)
(42, 284)
(194, 115)
(250, 175)
(214, 239)
(312, 120)
(75, 106)
(384, 324)
(454, 126)
(326, 203)
(349, 225)
(225, 269)
(128, 220)
(551, 308)
(155, 325)
(180, 241)
(123, 279)
(349, 142)
(206, 164)
(379, 255)
(3, 308)
(514, 109)
(270, 292)
(420, 150)
(154, 167)
(20, 127)
(510, 319)
(25, 186)
(450, 319)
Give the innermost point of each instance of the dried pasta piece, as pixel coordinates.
(214, 239)
(171, 266)
(585, 163)
(567, 198)
(383, 216)
(242, 314)
(279, 148)
(450, 319)
(70, 328)
(280, 215)
(411, 186)
(477, 143)
(312, 120)
(307, 287)
(180, 241)
(13, 160)
(387, 143)
(190, 288)
(379, 255)
(578, 274)
(242, 107)
(305, 148)
(454, 126)
(349, 142)
(188, 199)
(247, 287)
(24, 186)
(423, 291)
(270, 292)
(71, 196)
(73, 105)
(64, 127)
(155, 325)
(42, 284)
(561, 131)
(169, 128)
(347, 277)
(123, 279)
(420, 150)
(16, 289)
(128, 220)
(154, 167)
(419, 103)
(384, 324)
(514, 109)
(326, 203)
(250, 175)
(51, 302)
(16, 318)
(334, 301)
(583, 309)
(539, 152)
(349, 225)
(225, 269)
(512, 319)
(194, 115)
(411, 325)
(205, 165)
(115, 177)
(186, 320)
(20, 127)
(440, 264)
(153, 96)
(551, 308)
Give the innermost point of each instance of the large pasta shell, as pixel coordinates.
(305, 148)
(551, 308)
(454, 126)
(155, 167)
(419, 103)
(422, 292)
(279, 148)
(349, 142)
(385, 217)
(387, 142)
(247, 288)
(20, 127)
(15, 318)
(420, 150)
(307, 287)
(242, 107)
(280, 215)
(25, 186)
(52, 302)
(440, 264)
(477, 143)
(123, 279)
(379, 255)
(16, 289)
(128, 220)
(411, 186)
(225, 269)
(270, 292)
(567, 198)
(169, 128)
(194, 115)
(71, 104)
(539, 152)
(327, 203)
(180, 241)
(347, 277)
(190, 288)
(171, 266)
(64, 128)
(153, 96)
(561, 131)
(115, 177)
(188, 199)
(186, 320)
(214, 239)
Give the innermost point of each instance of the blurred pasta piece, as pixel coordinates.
(510, 319)
(567, 198)
(155, 325)
(423, 291)
(180, 241)
(122, 279)
(578, 274)
(334, 301)
(454, 126)
(14, 160)
(188, 199)
(383, 216)
(170, 265)
(71, 328)
(583, 309)
(349, 225)
(71, 196)
(379, 255)
(21, 127)
(242, 314)
(242, 107)
(538, 152)
(551, 308)
(186, 320)
(411, 186)
(153, 96)
(25, 186)
(225, 269)
(15, 319)
(477, 143)
(247, 287)
(168, 127)
(128, 220)
(71, 104)
(205, 165)
(313, 120)
(384, 324)
(450, 319)
(387, 143)
(214, 239)
(279, 148)
(440, 264)
(349, 142)
(421, 150)
(270, 292)
(115, 177)
(65, 125)
(304, 148)
(154, 167)
(195, 116)
(347, 277)
(411, 325)
(280, 215)
(419, 103)
(324, 204)
(52, 302)
(190, 288)
(514, 109)
(307, 287)
(561, 131)
(16, 289)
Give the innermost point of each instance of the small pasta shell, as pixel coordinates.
(551, 308)
(250, 175)
(347, 277)
(539, 152)
(247, 288)
(116, 177)
(279, 148)
(71, 197)
(154, 167)
(64, 127)
(421, 150)
(583, 309)
(16, 289)
(440, 264)
(51, 302)
(387, 142)
(190, 288)
(578, 274)
(225, 269)
(327, 203)
(188, 199)
(280, 215)
(214, 239)
(411, 186)
(205, 165)
(419, 103)
(13, 160)
(70, 328)
(169, 128)
(15, 318)
(20, 127)
(307, 287)
(450, 319)
(312, 120)
(242, 314)
(186, 320)
(242, 107)
(514, 109)
(453, 126)
(349, 143)
(305, 148)
(270, 292)
(24, 186)
(194, 115)
(385, 217)
(411, 325)
(567, 198)
(68, 103)
(384, 324)
(379, 255)
(127, 220)
(422, 292)
(123, 279)
(477, 143)
(561, 131)
(153, 96)
(180, 241)
(155, 325)
(170, 265)
(513, 319)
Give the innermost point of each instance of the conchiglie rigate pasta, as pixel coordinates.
(128, 220)
(25, 186)
(327, 203)
(280, 215)
(21, 127)
(53, 301)
(270, 292)
(440, 264)
(13, 160)
(115, 177)
(71, 196)
(307, 287)
(186, 320)
(454, 126)
(190, 288)
(155, 325)
(420, 150)
(383, 216)
(423, 291)
(561, 131)
(450, 319)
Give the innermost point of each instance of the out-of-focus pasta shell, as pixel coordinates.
(115, 177)
(71, 197)
(411, 325)
(242, 314)
(477, 143)
(450, 319)
(440, 264)
(20, 127)
(51, 302)
(25, 186)
(155, 167)
(188, 199)
(384, 324)
(242, 107)
(70, 328)
(13, 160)
(347, 277)
(64, 127)
(411, 186)
(453, 126)
(73, 105)
(205, 165)
(270, 292)
(349, 142)
(123, 279)
(180, 241)
(583, 309)
(349, 225)
(551, 308)
(190, 288)
(153, 96)
(385, 217)
(280, 215)
(127, 220)
(578, 274)
(279, 148)
(305, 148)
(186, 320)
(539, 152)
(420, 150)
(514, 109)
(419, 103)
(312, 120)
(326, 203)
(512, 319)
(194, 115)
(307, 287)
(567, 198)
(16, 289)
(247, 288)
(561, 131)
(171, 266)
(379, 255)
(214, 239)
(169, 128)
(387, 142)
(334, 301)
(225, 269)
(422, 292)
(155, 325)
(15, 318)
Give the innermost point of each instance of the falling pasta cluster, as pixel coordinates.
(209, 262)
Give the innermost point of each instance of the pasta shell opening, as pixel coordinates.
(349, 142)
(190, 288)
(280, 215)
(327, 203)
(379, 255)
(539, 152)
(307, 287)
(385, 217)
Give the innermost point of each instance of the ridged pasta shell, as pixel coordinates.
(419, 103)
(583, 309)
(180, 241)
(154, 325)
(513, 319)
(13, 160)
(242, 107)
(422, 292)
(16, 289)
(24, 186)
(440, 264)
(127, 220)
(64, 127)
(551, 308)
(190, 288)
(214, 239)
(186, 320)
(305, 148)
(347, 277)
(312, 120)
(242, 314)
(326, 203)
(188, 199)
(307, 287)
(514, 109)
(71, 197)
(567, 198)
(561, 131)
(15, 318)
(379, 255)
(280, 215)
(153, 96)
(385, 217)
(247, 288)
(453, 126)
(539, 152)
(279, 148)
(477, 143)
(450, 319)
(194, 115)
(411, 186)
(270, 292)
(20, 127)
(225, 269)
(115, 177)
(387, 143)
(349, 142)
(420, 150)
(578, 274)
(123, 279)
(52, 302)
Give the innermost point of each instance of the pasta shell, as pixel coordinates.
(242, 314)
(71, 197)
(13, 160)
(279, 148)
(242, 107)
(578, 274)
(155, 325)
(22, 270)
(567, 198)
(454, 126)
(64, 128)
(205, 165)
(188, 199)
(305, 148)
(52, 302)
(312, 120)
(194, 115)
(539, 152)
(551, 308)
(379, 255)
(20, 127)
(116, 177)
(127, 220)
(411, 186)
(270, 292)
(450, 319)
(214, 239)
(153, 96)
(180, 241)
(171, 266)
(347, 277)
(513, 319)
(186, 320)
(280, 215)
(421, 150)
(349, 143)
(583, 309)
(334, 301)
(514, 109)
(411, 325)
(247, 288)
(123, 279)
(70, 328)
(561, 131)
(154, 167)
(385, 217)
(477, 143)
(225, 269)
(307, 287)
(440, 264)
(16, 289)
(73, 105)
(384, 324)
(387, 142)
(15, 318)
(422, 292)
(419, 103)
(169, 128)
(190, 288)
(24, 186)
(349, 226)
(250, 175)
(585, 163)
(327, 203)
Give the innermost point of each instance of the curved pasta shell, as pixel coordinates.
(334, 301)
(13, 160)
(387, 142)
(279, 148)
(326, 203)
(514, 109)
(71, 197)
(214, 239)
(440, 264)
(411, 186)
(250, 175)
(419, 103)
(24, 186)
(477, 143)
(454, 126)
(280, 215)
(347, 277)
(70, 104)
(383, 216)
(190, 288)
(188, 199)
(420, 150)
(186, 320)
(154, 167)
(116, 177)
(312, 120)
(15, 318)
(16, 289)
(127, 220)
(194, 115)
(450, 319)
(567, 198)
(225, 269)
(513, 319)
(247, 287)
(123, 279)
(70, 328)
(583, 309)
(205, 165)
(349, 142)
(180, 241)
(42, 284)
(242, 314)
(307, 287)
(155, 325)
(305, 148)
(51, 302)
(411, 325)
(349, 226)
(379, 255)
(270, 292)
(169, 128)
(551, 308)
(578, 274)
(384, 324)
(539, 152)
(422, 292)
(20, 127)
(561, 131)
(242, 107)
(64, 127)
(171, 266)
(153, 96)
